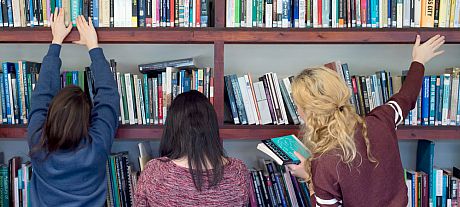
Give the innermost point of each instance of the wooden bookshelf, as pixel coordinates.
(236, 35)
(247, 132)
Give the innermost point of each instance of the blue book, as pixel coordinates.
(419, 110)
(432, 100)
(191, 13)
(296, 14)
(368, 13)
(31, 13)
(187, 84)
(205, 12)
(276, 183)
(285, 15)
(425, 162)
(182, 80)
(425, 100)
(26, 88)
(59, 3)
(75, 78)
(374, 13)
(446, 100)
(438, 101)
(10, 13)
(238, 100)
(146, 99)
(306, 193)
(95, 13)
(18, 102)
(281, 149)
(6, 86)
(231, 98)
(1, 18)
(2, 96)
(444, 190)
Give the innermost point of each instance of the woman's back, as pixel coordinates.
(163, 183)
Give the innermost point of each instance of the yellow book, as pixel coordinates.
(452, 13)
(45, 16)
(66, 7)
(443, 13)
(134, 17)
(427, 13)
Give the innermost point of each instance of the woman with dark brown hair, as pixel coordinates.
(69, 139)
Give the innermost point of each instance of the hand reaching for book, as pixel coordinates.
(300, 170)
(88, 35)
(423, 53)
(58, 28)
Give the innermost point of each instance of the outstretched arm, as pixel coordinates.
(104, 115)
(399, 105)
(48, 84)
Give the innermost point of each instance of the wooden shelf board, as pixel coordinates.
(252, 132)
(237, 35)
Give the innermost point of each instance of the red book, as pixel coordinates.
(160, 101)
(349, 13)
(252, 193)
(425, 190)
(198, 13)
(363, 12)
(320, 13)
(172, 11)
(14, 165)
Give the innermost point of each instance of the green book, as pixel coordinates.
(123, 95)
(237, 13)
(114, 179)
(4, 187)
(281, 149)
(52, 5)
(68, 78)
(254, 13)
(81, 80)
(146, 98)
(75, 8)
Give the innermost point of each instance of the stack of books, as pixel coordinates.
(15, 182)
(144, 99)
(429, 185)
(122, 180)
(274, 185)
(108, 13)
(267, 101)
(343, 13)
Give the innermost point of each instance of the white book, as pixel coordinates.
(370, 96)
(399, 15)
(262, 103)
(439, 182)
(417, 13)
(280, 98)
(279, 12)
(25, 178)
(128, 13)
(385, 13)
(358, 12)
(11, 89)
(415, 114)
(16, 192)
(252, 99)
(273, 99)
(249, 20)
(446, 101)
(141, 102)
(302, 13)
(315, 13)
(457, 14)
(194, 23)
(23, 115)
(448, 13)
(409, 192)
(16, 13)
(122, 117)
(268, 15)
(129, 98)
(443, 13)
(137, 101)
(230, 13)
(163, 90)
(406, 13)
(154, 118)
(380, 13)
(454, 102)
(118, 17)
(326, 9)
(246, 100)
(334, 13)
(289, 186)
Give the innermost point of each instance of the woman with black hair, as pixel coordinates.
(193, 169)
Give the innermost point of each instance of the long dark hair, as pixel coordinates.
(67, 121)
(191, 130)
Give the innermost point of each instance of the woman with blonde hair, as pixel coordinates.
(356, 160)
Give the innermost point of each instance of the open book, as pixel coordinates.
(281, 149)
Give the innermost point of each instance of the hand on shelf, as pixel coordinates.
(88, 35)
(423, 53)
(58, 28)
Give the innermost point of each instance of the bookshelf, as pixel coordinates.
(248, 132)
(219, 36)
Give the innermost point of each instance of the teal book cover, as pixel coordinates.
(282, 149)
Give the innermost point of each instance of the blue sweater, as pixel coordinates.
(73, 178)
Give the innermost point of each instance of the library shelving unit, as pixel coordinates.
(219, 36)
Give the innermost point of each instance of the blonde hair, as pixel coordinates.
(330, 119)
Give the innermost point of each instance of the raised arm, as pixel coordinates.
(104, 115)
(399, 105)
(48, 84)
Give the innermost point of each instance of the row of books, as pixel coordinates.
(108, 13)
(342, 13)
(144, 99)
(428, 185)
(15, 182)
(267, 101)
(447, 191)
(122, 180)
(274, 185)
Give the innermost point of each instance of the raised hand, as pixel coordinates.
(58, 28)
(423, 53)
(88, 35)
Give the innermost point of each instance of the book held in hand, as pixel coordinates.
(282, 149)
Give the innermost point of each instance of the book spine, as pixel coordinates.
(426, 101)
(269, 100)
(418, 13)
(432, 100)
(439, 100)
(458, 113)
(95, 10)
(428, 12)
(289, 104)
(142, 13)
(454, 101)
(205, 13)
(446, 100)
(148, 13)
(239, 100)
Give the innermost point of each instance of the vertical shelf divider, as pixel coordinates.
(219, 80)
